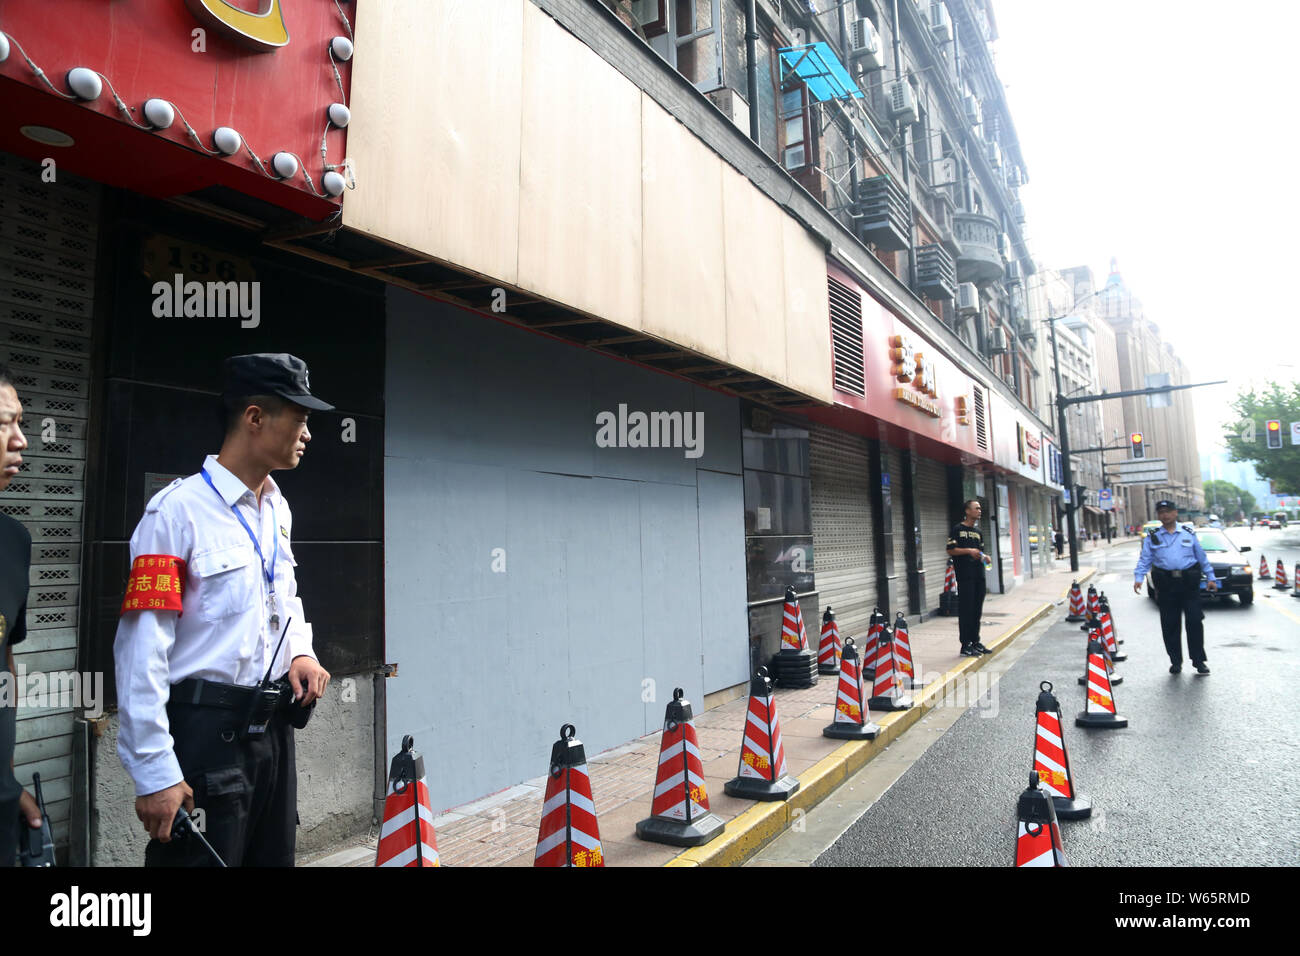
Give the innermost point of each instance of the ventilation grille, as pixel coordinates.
(846, 338)
(981, 426)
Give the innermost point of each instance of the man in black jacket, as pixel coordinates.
(16, 804)
(966, 548)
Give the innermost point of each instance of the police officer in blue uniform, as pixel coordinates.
(1176, 561)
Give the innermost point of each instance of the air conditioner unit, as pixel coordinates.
(968, 298)
(1014, 273)
(865, 45)
(1015, 177)
(902, 102)
(1018, 211)
(945, 172)
(973, 113)
(997, 340)
(940, 22)
(995, 155)
(800, 37)
(732, 104)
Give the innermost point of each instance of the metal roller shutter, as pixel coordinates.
(895, 459)
(841, 524)
(47, 266)
(932, 508)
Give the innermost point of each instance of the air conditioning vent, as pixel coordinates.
(936, 273)
(940, 22)
(995, 155)
(881, 211)
(968, 298)
(973, 112)
(981, 421)
(865, 46)
(902, 102)
(846, 338)
(997, 340)
(1014, 273)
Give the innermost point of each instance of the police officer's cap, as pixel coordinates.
(1166, 503)
(271, 373)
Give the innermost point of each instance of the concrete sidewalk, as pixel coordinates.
(501, 829)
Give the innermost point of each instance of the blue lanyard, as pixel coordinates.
(270, 575)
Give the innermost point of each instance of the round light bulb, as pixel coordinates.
(333, 183)
(159, 113)
(284, 164)
(342, 48)
(4, 48)
(226, 140)
(339, 114)
(84, 83)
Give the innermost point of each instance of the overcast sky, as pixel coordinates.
(1163, 133)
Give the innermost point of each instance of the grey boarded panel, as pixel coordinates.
(480, 392)
(616, 384)
(670, 571)
(721, 500)
(721, 430)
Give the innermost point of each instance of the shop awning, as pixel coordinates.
(1093, 510)
(818, 66)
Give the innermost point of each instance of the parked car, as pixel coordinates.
(1148, 526)
(1231, 566)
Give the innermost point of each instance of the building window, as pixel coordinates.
(686, 33)
(796, 129)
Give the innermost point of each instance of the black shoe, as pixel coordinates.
(968, 650)
(982, 649)
(1202, 670)
(1175, 668)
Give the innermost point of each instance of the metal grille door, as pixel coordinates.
(47, 264)
(841, 525)
(900, 529)
(932, 509)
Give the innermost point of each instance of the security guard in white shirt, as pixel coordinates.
(211, 592)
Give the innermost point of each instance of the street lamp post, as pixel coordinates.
(1067, 474)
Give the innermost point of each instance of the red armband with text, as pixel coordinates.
(155, 584)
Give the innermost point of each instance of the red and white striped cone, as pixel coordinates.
(828, 651)
(887, 686)
(1105, 606)
(569, 834)
(1038, 837)
(1295, 581)
(948, 601)
(1263, 569)
(949, 578)
(875, 627)
(1076, 604)
(793, 635)
(1281, 583)
(794, 665)
(407, 837)
(903, 652)
(679, 811)
(1108, 637)
(1094, 606)
(1099, 708)
(1094, 634)
(761, 775)
(851, 720)
(1052, 759)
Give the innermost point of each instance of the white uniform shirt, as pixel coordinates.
(224, 633)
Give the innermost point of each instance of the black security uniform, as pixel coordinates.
(970, 581)
(15, 563)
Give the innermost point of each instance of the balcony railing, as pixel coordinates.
(979, 261)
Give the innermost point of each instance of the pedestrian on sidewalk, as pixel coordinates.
(1176, 560)
(1060, 543)
(966, 548)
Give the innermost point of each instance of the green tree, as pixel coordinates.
(1226, 499)
(1246, 437)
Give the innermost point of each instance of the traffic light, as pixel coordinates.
(1135, 440)
(1273, 429)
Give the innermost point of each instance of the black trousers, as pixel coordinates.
(970, 606)
(1176, 601)
(247, 791)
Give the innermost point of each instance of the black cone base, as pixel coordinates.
(1100, 721)
(747, 788)
(885, 703)
(828, 668)
(1115, 680)
(1080, 808)
(679, 833)
(1075, 618)
(848, 731)
(1118, 659)
(794, 669)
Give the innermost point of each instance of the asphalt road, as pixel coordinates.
(1202, 776)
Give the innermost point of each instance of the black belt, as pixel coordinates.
(1180, 572)
(197, 692)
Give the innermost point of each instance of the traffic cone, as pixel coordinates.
(568, 835)
(828, 652)
(407, 837)
(1105, 606)
(794, 665)
(1280, 584)
(1038, 837)
(949, 578)
(875, 626)
(948, 602)
(679, 811)
(887, 686)
(1076, 604)
(1093, 601)
(762, 775)
(1263, 569)
(1295, 581)
(903, 649)
(1095, 635)
(1099, 708)
(851, 717)
(1108, 637)
(1052, 759)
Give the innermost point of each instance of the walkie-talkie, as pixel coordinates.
(37, 847)
(264, 699)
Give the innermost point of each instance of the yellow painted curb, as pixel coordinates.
(762, 823)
